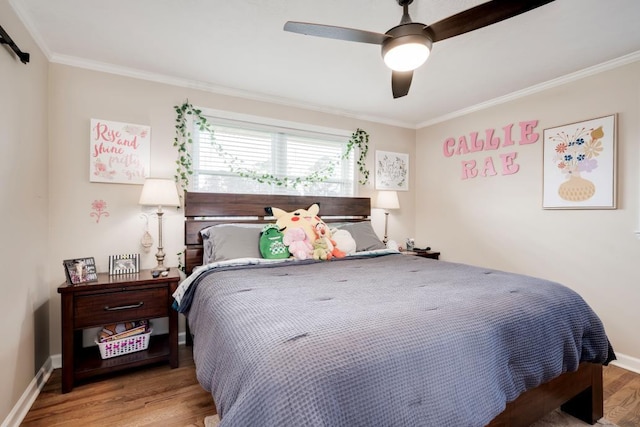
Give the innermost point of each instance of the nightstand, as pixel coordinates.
(114, 299)
(424, 254)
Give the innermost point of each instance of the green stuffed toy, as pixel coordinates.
(271, 245)
(320, 250)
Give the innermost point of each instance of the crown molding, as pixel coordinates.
(261, 97)
(208, 87)
(605, 66)
(254, 96)
(31, 29)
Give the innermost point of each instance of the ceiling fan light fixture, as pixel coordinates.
(407, 46)
(406, 53)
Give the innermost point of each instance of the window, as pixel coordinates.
(228, 159)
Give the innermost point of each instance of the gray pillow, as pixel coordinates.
(229, 241)
(362, 232)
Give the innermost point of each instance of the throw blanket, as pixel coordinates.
(389, 340)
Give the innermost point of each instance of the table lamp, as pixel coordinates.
(159, 192)
(386, 200)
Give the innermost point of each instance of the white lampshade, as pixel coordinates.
(159, 192)
(387, 200)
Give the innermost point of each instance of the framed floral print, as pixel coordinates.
(392, 171)
(579, 165)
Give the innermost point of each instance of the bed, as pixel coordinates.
(379, 338)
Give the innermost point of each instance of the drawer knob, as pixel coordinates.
(123, 307)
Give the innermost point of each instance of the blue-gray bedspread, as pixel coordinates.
(392, 340)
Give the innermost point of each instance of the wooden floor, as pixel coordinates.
(160, 396)
(151, 396)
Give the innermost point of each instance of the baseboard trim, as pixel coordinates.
(627, 362)
(56, 361)
(21, 408)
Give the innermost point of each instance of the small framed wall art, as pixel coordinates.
(80, 270)
(392, 171)
(579, 165)
(124, 264)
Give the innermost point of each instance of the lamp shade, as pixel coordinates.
(387, 200)
(159, 192)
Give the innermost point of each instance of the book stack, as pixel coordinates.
(118, 331)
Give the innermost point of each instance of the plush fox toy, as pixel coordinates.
(323, 233)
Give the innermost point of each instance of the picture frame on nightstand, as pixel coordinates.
(124, 264)
(80, 270)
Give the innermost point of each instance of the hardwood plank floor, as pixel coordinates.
(150, 396)
(160, 396)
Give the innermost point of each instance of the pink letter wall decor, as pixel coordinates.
(493, 141)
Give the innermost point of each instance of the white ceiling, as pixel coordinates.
(238, 47)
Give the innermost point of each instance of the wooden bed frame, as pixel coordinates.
(578, 393)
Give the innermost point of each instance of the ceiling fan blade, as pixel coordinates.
(401, 82)
(331, 32)
(481, 16)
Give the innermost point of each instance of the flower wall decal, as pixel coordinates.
(99, 208)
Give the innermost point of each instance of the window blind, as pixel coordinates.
(235, 148)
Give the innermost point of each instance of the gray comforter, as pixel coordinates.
(392, 340)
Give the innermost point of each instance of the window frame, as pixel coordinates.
(272, 125)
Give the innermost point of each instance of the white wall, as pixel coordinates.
(24, 305)
(78, 95)
(499, 222)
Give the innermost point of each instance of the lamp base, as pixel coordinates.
(386, 221)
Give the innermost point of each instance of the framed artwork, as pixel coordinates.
(80, 270)
(579, 165)
(124, 264)
(392, 171)
(119, 153)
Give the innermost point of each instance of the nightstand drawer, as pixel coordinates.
(111, 307)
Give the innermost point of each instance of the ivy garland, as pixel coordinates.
(360, 139)
(184, 170)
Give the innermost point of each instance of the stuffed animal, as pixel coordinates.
(298, 243)
(323, 233)
(344, 241)
(300, 218)
(309, 221)
(271, 245)
(320, 250)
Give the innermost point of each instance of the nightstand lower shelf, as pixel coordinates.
(89, 363)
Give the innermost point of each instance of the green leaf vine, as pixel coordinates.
(184, 170)
(360, 139)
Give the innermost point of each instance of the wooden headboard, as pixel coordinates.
(205, 209)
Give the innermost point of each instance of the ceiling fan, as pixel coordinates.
(406, 46)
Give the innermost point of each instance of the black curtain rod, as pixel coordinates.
(5, 39)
